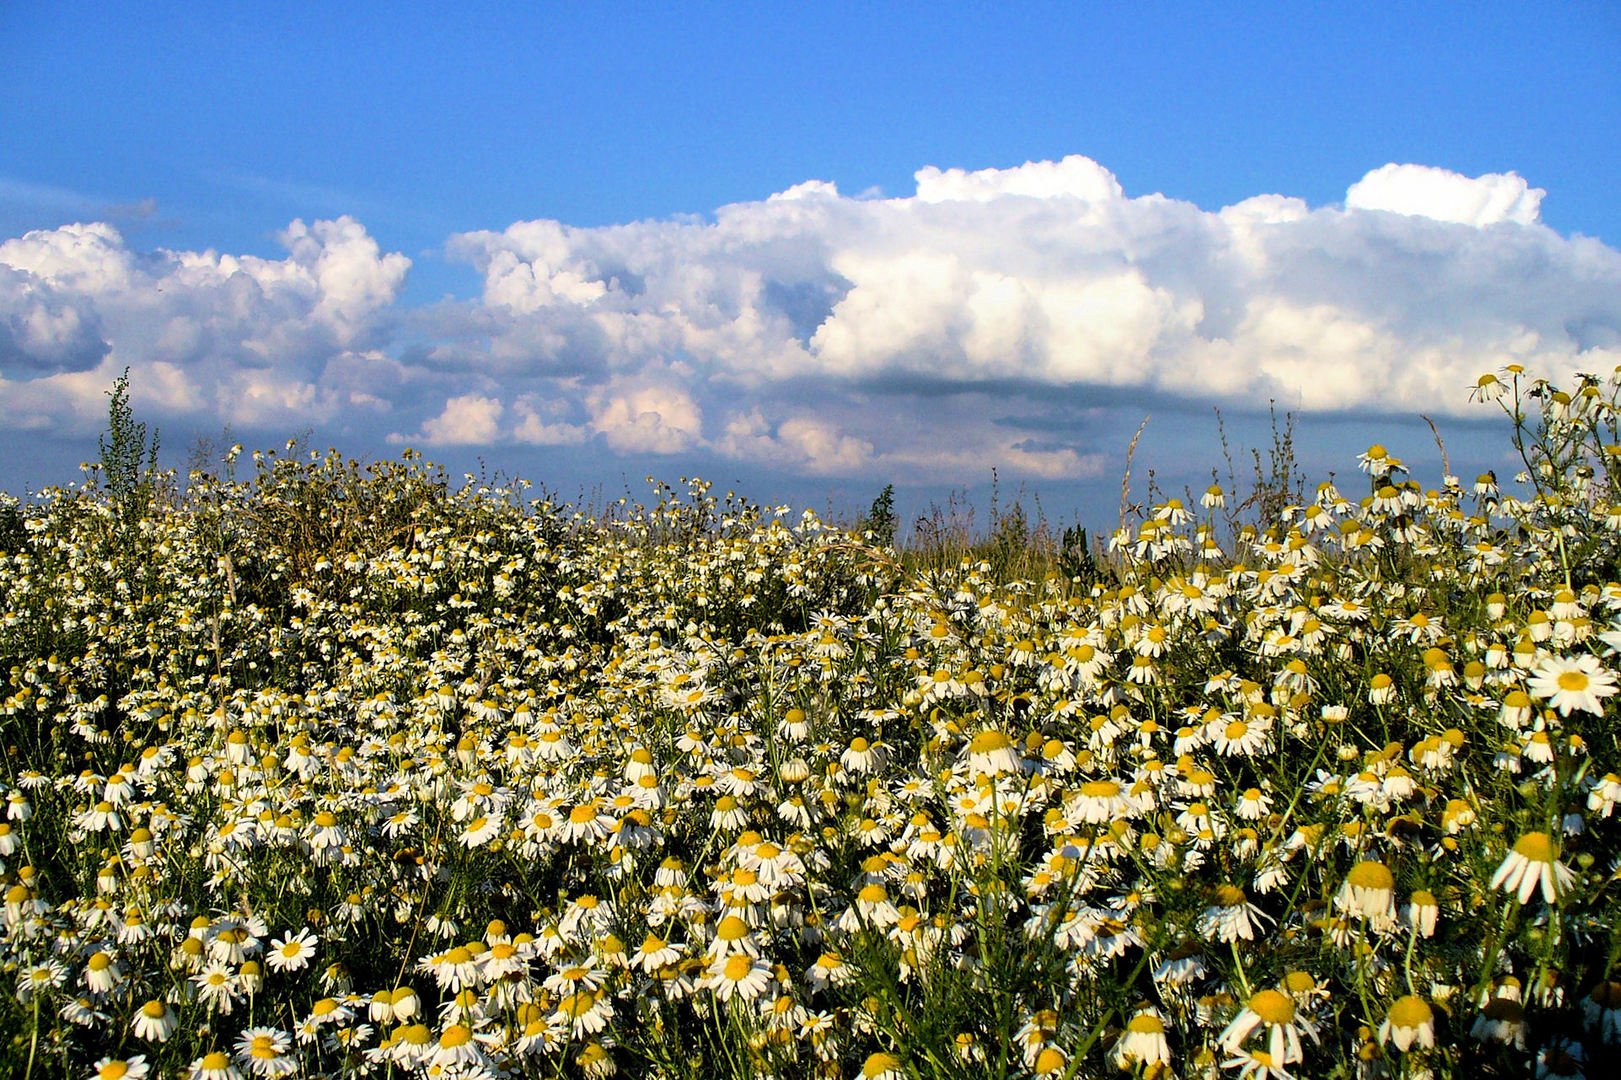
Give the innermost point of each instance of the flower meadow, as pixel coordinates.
(342, 770)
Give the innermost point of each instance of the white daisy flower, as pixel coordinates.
(1569, 683)
(1533, 861)
(293, 952)
(1410, 1020)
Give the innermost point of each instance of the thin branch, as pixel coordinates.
(1125, 481)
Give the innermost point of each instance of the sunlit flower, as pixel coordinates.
(102, 973)
(738, 975)
(1231, 917)
(215, 1065)
(1143, 1042)
(154, 1021)
(133, 1067)
(457, 1048)
(991, 753)
(266, 1051)
(1533, 861)
(1369, 892)
(882, 1066)
(583, 1012)
(1272, 1013)
(218, 987)
(293, 952)
(1409, 1020)
(1572, 683)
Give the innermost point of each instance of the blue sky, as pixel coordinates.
(310, 218)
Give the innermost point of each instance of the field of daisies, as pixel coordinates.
(316, 769)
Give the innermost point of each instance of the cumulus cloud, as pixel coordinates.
(803, 444)
(1446, 196)
(467, 420)
(981, 321)
(651, 417)
(42, 330)
(1048, 275)
(248, 337)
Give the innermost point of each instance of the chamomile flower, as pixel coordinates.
(882, 1066)
(1143, 1043)
(1369, 892)
(1231, 917)
(737, 975)
(266, 1051)
(1272, 1014)
(133, 1067)
(154, 1021)
(1573, 683)
(1533, 861)
(215, 1065)
(991, 753)
(1410, 1020)
(292, 952)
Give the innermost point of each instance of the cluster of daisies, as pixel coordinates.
(342, 772)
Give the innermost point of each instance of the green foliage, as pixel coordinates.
(129, 457)
(13, 533)
(1076, 559)
(880, 520)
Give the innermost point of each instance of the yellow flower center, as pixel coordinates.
(879, 1064)
(1536, 847)
(1298, 982)
(1049, 1061)
(1410, 1012)
(1146, 1024)
(1273, 1007)
(1371, 875)
(987, 742)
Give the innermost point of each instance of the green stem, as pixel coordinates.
(33, 1039)
(1238, 965)
(1495, 947)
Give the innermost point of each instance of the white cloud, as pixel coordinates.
(467, 420)
(1075, 177)
(972, 324)
(649, 417)
(802, 444)
(1425, 191)
(220, 338)
(543, 422)
(42, 329)
(1048, 274)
